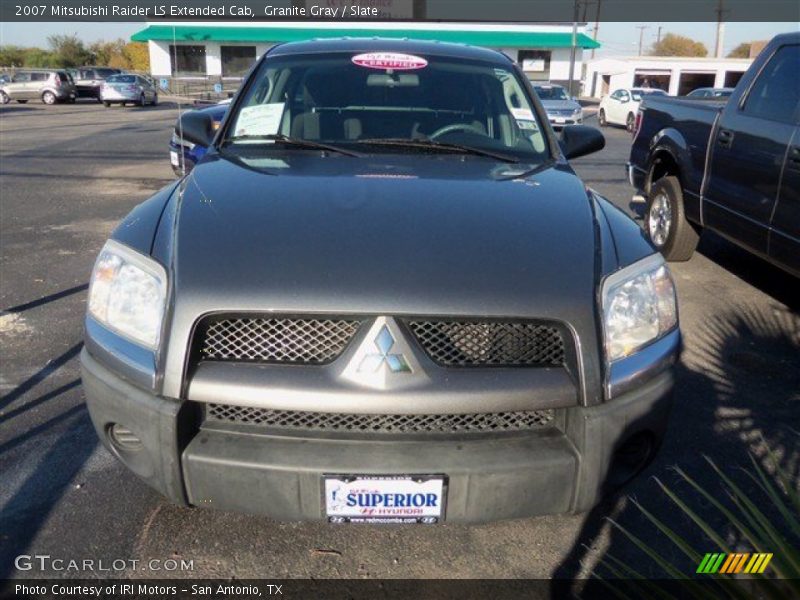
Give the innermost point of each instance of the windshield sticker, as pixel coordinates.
(522, 114)
(390, 60)
(261, 119)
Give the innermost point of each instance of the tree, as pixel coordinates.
(741, 51)
(38, 58)
(677, 45)
(104, 53)
(138, 56)
(68, 50)
(12, 56)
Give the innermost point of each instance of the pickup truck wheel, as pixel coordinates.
(665, 221)
(601, 118)
(630, 122)
(106, 104)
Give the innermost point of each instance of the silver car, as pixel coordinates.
(128, 88)
(50, 86)
(561, 109)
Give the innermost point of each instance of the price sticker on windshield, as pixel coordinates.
(390, 60)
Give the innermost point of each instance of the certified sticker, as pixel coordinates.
(390, 60)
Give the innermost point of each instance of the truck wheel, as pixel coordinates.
(630, 122)
(106, 104)
(49, 98)
(665, 221)
(601, 118)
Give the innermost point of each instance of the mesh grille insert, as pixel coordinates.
(476, 343)
(277, 340)
(341, 422)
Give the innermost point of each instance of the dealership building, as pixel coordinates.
(676, 75)
(223, 51)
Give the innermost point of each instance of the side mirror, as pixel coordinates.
(580, 140)
(197, 127)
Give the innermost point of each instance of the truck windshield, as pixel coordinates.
(373, 102)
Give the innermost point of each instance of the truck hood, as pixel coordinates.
(420, 234)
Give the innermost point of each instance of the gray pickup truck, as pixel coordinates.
(382, 295)
(729, 165)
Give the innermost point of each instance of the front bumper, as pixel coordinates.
(557, 122)
(560, 469)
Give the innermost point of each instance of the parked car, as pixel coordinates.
(50, 86)
(183, 154)
(561, 109)
(731, 166)
(89, 80)
(708, 92)
(383, 295)
(128, 89)
(619, 108)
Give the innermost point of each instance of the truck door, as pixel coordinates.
(784, 234)
(748, 153)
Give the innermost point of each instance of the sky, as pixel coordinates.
(618, 39)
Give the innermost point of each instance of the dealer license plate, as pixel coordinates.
(385, 498)
(173, 158)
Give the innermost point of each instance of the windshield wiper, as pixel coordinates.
(445, 146)
(298, 142)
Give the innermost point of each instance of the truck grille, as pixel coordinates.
(358, 423)
(477, 343)
(276, 340)
(321, 340)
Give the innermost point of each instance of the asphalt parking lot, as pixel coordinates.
(68, 173)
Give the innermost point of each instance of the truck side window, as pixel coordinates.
(776, 92)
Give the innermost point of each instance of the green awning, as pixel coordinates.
(492, 39)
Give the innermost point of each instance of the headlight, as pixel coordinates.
(127, 294)
(639, 306)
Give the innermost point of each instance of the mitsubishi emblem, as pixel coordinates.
(384, 359)
(384, 342)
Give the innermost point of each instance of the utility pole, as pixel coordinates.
(658, 37)
(720, 29)
(596, 23)
(574, 47)
(641, 29)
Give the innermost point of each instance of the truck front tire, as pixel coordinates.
(665, 221)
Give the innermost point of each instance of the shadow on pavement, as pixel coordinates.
(40, 375)
(46, 299)
(28, 509)
(737, 392)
